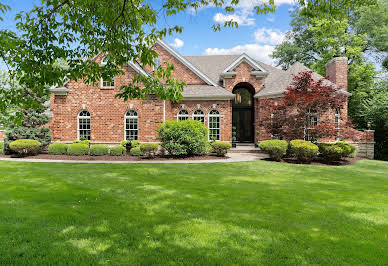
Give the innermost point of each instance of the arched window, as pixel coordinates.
(214, 125)
(131, 125)
(84, 125)
(106, 83)
(199, 115)
(183, 115)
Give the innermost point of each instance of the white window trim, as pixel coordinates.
(83, 117)
(208, 122)
(107, 87)
(125, 123)
(306, 129)
(338, 124)
(185, 115)
(201, 115)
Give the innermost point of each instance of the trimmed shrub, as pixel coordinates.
(347, 149)
(221, 148)
(117, 151)
(187, 137)
(1, 147)
(77, 149)
(129, 144)
(25, 146)
(149, 149)
(136, 151)
(99, 150)
(303, 150)
(330, 152)
(85, 142)
(276, 149)
(57, 148)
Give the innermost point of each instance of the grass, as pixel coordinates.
(206, 214)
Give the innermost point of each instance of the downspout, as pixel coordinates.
(164, 111)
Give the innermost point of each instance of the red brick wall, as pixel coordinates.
(243, 76)
(337, 71)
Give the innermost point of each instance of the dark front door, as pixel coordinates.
(243, 114)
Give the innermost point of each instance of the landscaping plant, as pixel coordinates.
(276, 149)
(304, 151)
(221, 148)
(99, 150)
(149, 149)
(186, 138)
(82, 141)
(118, 150)
(1, 147)
(78, 149)
(25, 147)
(136, 152)
(337, 151)
(57, 148)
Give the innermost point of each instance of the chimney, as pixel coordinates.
(337, 72)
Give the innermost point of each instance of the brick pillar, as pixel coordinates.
(337, 72)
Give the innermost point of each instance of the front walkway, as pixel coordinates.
(232, 157)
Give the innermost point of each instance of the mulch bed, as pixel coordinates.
(320, 161)
(116, 158)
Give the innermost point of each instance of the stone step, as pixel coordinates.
(245, 148)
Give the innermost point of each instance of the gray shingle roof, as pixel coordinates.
(206, 91)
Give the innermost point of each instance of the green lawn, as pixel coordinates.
(206, 214)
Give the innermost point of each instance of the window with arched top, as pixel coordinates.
(214, 125)
(84, 128)
(199, 115)
(106, 83)
(131, 125)
(183, 115)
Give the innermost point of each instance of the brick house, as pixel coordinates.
(222, 91)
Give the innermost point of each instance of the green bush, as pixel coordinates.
(330, 152)
(57, 148)
(187, 137)
(118, 150)
(25, 146)
(1, 147)
(136, 151)
(129, 144)
(347, 149)
(99, 150)
(221, 148)
(78, 149)
(149, 149)
(276, 149)
(303, 150)
(85, 142)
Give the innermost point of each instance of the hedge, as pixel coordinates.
(149, 149)
(57, 148)
(221, 148)
(99, 150)
(78, 149)
(303, 150)
(117, 151)
(337, 151)
(276, 149)
(25, 146)
(1, 147)
(85, 142)
(136, 151)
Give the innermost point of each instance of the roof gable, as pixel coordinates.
(245, 58)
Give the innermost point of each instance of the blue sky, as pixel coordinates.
(257, 34)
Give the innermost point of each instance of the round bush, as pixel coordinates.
(1, 147)
(25, 146)
(276, 149)
(99, 150)
(149, 149)
(187, 137)
(347, 149)
(118, 150)
(57, 148)
(303, 150)
(221, 148)
(330, 152)
(78, 149)
(136, 151)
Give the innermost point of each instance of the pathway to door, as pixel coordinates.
(243, 113)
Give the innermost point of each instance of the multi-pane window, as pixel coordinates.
(183, 115)
(199, 115)
(157, 63)
(214, 125)
(337, 120)
(84, 125)
(131, 125)
(311, 122)
(106, 83)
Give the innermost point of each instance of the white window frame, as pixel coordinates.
(128, 116)
(112, 83)
(199, 115)
(309, 120)
(78, 124)
(337, 121)
(183, 116)
(210, 116)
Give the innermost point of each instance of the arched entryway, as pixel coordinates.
(243, 112)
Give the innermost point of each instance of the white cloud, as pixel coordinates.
(269, 36)
(256, 51)
(177, 43)
(242, 20)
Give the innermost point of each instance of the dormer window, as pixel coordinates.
(106, 83)
(157, 63)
